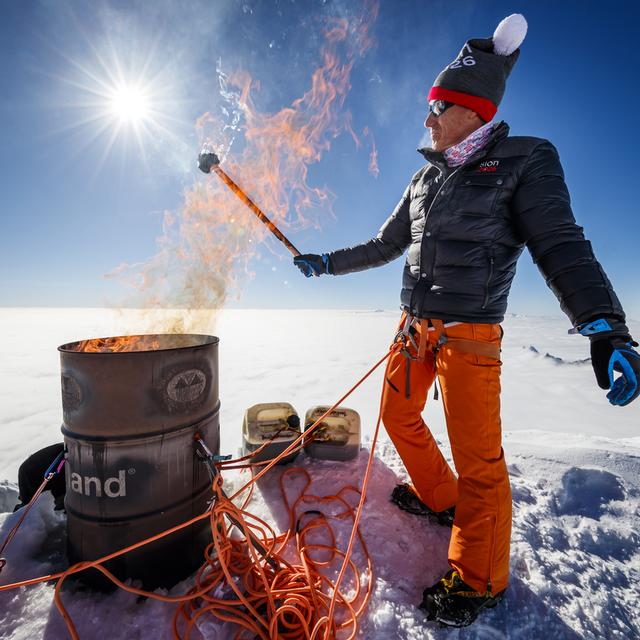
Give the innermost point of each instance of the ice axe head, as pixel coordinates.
(207, 160)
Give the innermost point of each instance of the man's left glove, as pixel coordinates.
(311, 264)
(612, 351)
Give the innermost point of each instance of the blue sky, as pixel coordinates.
(75, 205)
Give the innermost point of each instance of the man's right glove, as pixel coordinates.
(311, 264)
(612, 351)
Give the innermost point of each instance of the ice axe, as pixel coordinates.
(207, 160)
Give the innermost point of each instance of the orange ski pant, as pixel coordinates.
(470, 387)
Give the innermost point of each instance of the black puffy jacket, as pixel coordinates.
(465, 229)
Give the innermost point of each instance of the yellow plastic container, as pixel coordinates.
(274, 422)
(337, 437)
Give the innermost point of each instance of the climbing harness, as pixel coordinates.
(465, 345)
(413, 332)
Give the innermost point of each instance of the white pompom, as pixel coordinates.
(509, 34)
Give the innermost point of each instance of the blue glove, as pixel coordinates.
(311, 264)
(612, 352)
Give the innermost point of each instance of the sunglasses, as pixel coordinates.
(438, 107)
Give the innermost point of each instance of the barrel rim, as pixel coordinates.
(206, 340)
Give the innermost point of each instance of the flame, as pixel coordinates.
(145, 342)
(204, 252)
(118, 344)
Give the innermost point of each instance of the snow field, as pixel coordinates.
(574, 465)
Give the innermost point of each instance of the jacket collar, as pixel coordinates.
(436, 158)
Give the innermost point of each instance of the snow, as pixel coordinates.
(585, 492)
(574, 464)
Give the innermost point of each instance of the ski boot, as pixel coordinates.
(406, 498)
(453, 603)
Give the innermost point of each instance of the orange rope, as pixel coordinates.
(266, 597)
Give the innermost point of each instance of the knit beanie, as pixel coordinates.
(476, 78)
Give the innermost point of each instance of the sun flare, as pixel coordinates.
(130, 104)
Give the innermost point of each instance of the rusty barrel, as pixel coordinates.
(131, 408)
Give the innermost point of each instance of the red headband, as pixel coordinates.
(482, 106)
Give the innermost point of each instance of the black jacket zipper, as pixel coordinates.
(488, 282)
(424, 230)
(426, 218)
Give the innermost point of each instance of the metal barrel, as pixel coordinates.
(129, 421)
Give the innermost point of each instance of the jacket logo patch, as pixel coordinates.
(488, 166)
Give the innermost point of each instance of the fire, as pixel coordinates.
(140, 342)
(205, 250)
(119, 344)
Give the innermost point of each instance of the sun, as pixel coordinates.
(130, 104)
(126, 101)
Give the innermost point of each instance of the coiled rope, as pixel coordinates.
(264, 594)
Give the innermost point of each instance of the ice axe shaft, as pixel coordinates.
(207, 161)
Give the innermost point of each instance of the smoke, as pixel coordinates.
(204, 252)
(373, 154)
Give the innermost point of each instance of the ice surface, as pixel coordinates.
(574, 463)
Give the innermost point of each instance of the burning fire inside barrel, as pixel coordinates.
(133, 407)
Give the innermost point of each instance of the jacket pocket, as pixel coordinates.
(487, 285)
(476, 195)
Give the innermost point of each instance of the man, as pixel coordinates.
(464, 220)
